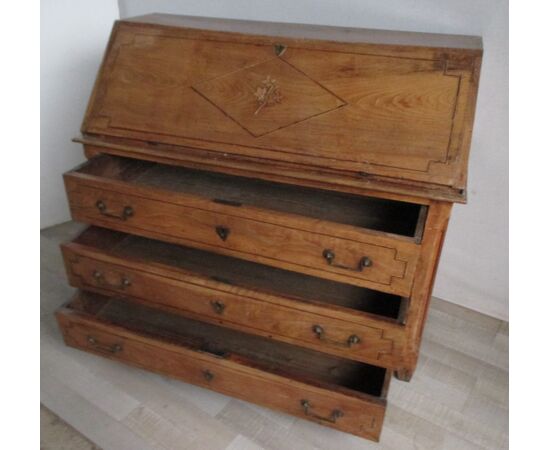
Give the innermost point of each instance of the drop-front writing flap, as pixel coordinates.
(398, 111)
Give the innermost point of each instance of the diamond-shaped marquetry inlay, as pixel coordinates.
(268, 96)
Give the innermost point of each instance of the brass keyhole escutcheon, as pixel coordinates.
(279, 49)
(218, 306)
(223, 232)
(208, 376)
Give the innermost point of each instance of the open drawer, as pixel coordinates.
(368, 242)
(323, 315)
(346, 395)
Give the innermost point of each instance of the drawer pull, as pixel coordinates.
(334, 415)
(208, 376)
(115, 348)
(127, 211)
(217, 306)
(100, 279)
(223, 232)
(320, 332)
(330, 256)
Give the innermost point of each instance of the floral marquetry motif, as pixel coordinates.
(267, 94)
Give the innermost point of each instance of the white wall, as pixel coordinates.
(73, 35)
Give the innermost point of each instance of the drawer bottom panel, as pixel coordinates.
(346, 395)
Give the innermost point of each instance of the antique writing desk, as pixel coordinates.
(268, 203)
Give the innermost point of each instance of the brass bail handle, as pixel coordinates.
(330, 257)
(126, 213)
(334, 415)
(115, 348)
(320, 332)
(100, 279)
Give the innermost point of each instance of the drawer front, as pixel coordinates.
(339, 106)
(381, 267)
(362, 339)
(351, 413)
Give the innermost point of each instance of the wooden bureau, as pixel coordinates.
(267, 204)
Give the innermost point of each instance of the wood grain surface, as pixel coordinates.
(270, 237)
(348, 399)
(400, 113)
(258, 300)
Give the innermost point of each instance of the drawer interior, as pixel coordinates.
(389, 216)
(245, 273)
(271, 356)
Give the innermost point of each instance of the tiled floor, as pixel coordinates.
(56, 434)
(458, 398)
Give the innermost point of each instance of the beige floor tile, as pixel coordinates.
(158, 432)
(480, 432)
(284, 420)
(482, 409)
(55, 434)
(100, 428)
(78, 377)
(414, 432)
(260, 429)
(243, 443)
(492, 383)
(441, 382)
(325, 438)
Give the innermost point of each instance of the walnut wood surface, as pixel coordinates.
(398, 112)
(225, 361)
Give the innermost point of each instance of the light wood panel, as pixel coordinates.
(400, 113)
